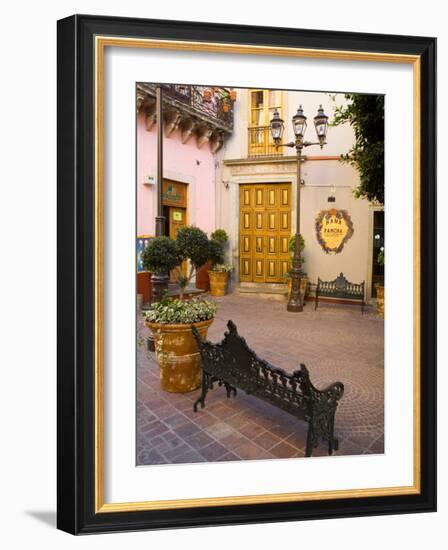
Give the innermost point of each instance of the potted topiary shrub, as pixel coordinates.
(380, 288)
(202, 273)
(220, 271)
(303, 276)
(192, 244)
(220, 235)
(170, 321)
(160, 257)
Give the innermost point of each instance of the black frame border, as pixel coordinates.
(75, 271)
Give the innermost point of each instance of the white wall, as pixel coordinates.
(28, 275)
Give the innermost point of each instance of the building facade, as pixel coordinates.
(197, 121)
(222, 170)
(256, 195)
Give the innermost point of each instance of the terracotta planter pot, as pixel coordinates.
(178, 355)
(380, 300)
(144, 286)
(218, 282)
(202, 278)
(303, 287)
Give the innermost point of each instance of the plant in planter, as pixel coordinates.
(220, 271)
(191, 244)
(303, 276)
(219, 277)
(221, 236)
(160, 257)
(170, 322)
(380, 288)
(216, 255)
(225, 100)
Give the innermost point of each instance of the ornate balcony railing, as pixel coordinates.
(210, 101)
(209, 104)
(200, 111)
(261, 144)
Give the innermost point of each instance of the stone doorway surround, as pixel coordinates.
(281, 170)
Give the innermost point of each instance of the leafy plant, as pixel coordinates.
(175, 311)
(292, 246)
(215, 252)
(220, 235)
(222, 268)
(192, 244)
(365, 113)
(160, 255)
(380, 257)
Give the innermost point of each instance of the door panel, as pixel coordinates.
(265, 229)
(177, 218)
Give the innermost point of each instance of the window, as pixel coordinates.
(262, 105)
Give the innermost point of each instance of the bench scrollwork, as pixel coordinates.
(232, 364)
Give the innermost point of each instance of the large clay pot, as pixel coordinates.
(380, 300)
(178, 356)
(202, 278)
(144, 286)
(303, 287)
(218, 282)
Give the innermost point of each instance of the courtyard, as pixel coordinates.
(336, 343)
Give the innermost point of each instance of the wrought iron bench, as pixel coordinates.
(232, 364)
(340, 288)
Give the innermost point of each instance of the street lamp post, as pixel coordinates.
(159, 281)
(299, 125)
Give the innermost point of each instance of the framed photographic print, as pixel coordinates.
(246, 267)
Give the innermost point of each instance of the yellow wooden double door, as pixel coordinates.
(265, 229)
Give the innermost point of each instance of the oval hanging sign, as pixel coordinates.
(333, 229)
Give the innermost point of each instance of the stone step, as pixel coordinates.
(262, 288)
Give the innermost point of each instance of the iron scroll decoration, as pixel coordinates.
(343, 217)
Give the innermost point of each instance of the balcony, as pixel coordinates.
(205, 112)
(211, 102)
(261, 144)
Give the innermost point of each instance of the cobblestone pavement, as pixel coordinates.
(336, 343)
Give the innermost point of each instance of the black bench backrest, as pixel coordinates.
(234, 362)
(341, 288)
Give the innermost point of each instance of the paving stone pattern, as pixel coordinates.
(335, 342)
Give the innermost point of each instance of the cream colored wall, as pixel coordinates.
(339, 138)
(319, 175)
(353, 261)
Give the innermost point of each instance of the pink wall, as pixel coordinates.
(182, 162)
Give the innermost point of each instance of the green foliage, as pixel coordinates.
(292, 243)
(161, 255)
(175, 311)
(215, 252)
(380, 257)
(292, 246)
(192, 243)
(365, 113)
(220, 235)
(220, 268)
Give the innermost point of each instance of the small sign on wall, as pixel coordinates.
(177, 216)
(333, 229)
(141, 244)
